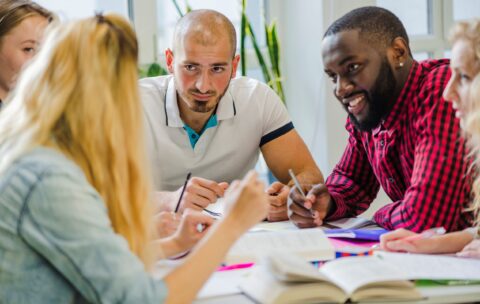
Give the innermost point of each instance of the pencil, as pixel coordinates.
(183, 191)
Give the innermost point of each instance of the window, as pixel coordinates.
(428, 22)
(413, 13)
(465, 9)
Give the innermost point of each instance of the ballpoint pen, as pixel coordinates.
(299, 189)
(183, 191)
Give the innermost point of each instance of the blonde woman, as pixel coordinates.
(75, 221)
(463, 90)
(22, 23)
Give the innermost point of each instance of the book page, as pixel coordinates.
(352, 273)
(434, 267)
(222, 283)
(274, 226)
(311, 244)
(264, 287)
(291, 268)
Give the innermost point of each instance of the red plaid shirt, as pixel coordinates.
(416, 154)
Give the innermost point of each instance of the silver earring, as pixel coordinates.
(400, 64)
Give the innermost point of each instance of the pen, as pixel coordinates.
(183, 190)
(212, 213)
(299, 188)
(426, 234)
(295, 181)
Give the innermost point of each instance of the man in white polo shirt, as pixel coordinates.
(201, 120)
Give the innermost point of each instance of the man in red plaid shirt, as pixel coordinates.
(403, 135)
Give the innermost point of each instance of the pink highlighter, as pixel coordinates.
(235, 266)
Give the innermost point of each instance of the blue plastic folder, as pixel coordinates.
(358, 234)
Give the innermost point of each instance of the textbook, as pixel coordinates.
(382, 277)
(311, 244)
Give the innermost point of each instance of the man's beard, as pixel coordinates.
(379, 99)
(203, 107)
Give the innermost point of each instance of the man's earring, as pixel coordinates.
(400, 64)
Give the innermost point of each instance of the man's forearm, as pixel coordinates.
(308, 176)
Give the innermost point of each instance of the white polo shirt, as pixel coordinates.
(249, 115)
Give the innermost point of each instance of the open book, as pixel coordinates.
(311, 244)
(287, 279)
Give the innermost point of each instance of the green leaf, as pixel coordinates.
(156, 70)
(243, 35)
(179, 11)
(261, 61)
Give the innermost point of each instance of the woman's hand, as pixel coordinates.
(246, 202)
(166, 223)
(193, 226)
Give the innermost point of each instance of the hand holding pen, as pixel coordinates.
(308, 210)
(197, 193)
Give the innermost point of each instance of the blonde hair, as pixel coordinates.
(470, 32)
(80, 96)
(13, 12)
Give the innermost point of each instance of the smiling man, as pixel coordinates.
(403, 135)
(203, 120)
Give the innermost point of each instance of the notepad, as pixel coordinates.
(311, 244)
(217, 208)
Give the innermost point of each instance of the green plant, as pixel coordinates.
(151, 70)
(187, 7)
(271, 73)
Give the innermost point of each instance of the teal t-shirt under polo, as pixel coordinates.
(194, 136)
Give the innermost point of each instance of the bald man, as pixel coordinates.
(203, 120)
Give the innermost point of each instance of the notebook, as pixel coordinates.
(311, 244)
(358, 234)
